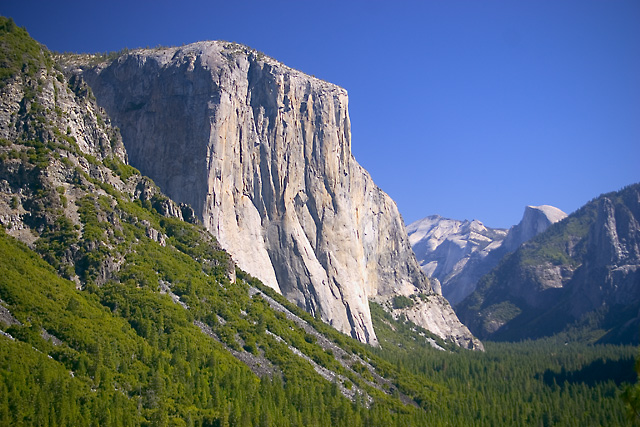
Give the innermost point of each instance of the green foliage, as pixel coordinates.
(55, 241)
(122, 170)
(502, 312)
(401, 301)
(631, 398)
(138, 348)
(35, 153)
(19, 53)
(37, 390)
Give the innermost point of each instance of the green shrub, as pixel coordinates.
(19, 53)
(400, 301)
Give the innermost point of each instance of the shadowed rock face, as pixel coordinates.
(263, 154)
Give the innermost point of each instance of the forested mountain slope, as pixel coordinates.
(582, 275)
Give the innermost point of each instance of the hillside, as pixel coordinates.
(580, 277)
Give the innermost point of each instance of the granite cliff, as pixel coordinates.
(263, 154)
(459, 253)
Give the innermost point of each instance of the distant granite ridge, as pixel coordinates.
(263, 155)
(459, 253)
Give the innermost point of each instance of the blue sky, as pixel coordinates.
(467, 109)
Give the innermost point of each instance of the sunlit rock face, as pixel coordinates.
(262, 153)
(535, 220)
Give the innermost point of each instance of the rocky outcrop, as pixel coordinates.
(582, 273)
(263, 155)
(436, 315)
(39, 113)
(459, 253)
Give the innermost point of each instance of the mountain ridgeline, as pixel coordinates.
(579, 278)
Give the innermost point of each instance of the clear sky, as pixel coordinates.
(467, 109)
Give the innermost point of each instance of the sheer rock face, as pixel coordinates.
(263, 155)
(610, 273)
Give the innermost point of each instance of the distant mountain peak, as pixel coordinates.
(554, 214)
(535, 220)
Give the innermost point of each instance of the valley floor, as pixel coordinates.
(531, 383)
